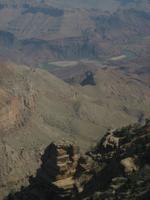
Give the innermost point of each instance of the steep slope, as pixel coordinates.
(36, 108)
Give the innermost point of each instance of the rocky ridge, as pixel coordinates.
(117, 168)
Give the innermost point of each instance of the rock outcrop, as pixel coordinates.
(117, 168)
(122, 165)
(59, 166)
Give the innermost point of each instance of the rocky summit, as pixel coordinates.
(118, 167)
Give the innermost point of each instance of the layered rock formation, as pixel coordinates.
(59, 166)
(56, 177)
(117, 168)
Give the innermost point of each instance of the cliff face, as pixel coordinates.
(117, 168)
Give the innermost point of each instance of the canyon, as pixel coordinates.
(36, 107)
(74, 99)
